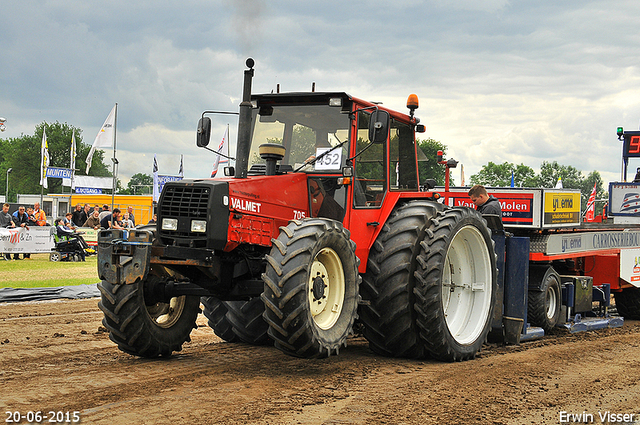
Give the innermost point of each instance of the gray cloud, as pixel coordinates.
(498, 80)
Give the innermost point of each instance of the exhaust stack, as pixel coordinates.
(244, 124)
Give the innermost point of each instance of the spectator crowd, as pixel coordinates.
(87, 216)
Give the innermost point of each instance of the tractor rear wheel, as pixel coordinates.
(216, 311)
(235, 321)
(544, 305)
(247, 321)
(389, 314)
(146, 330)
(455, 284)
(311, 288)
(628, 303)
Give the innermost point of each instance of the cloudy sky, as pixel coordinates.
(498, 80)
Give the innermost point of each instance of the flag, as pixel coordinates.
(559, 183)
(591, 204)
(181, 171)
(44, 159)
(72, 163)
(105, 136)
(462, 175)
(156, 194)
(223, 148)
(513, 181)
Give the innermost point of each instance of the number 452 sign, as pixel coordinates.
(631, 144)
(331, 160)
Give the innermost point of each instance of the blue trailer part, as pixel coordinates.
(516, 288)
(510, 318)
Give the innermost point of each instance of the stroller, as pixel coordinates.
(67, 248)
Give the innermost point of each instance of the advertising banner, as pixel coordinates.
(630, 266)
(37, 239)
(624, 199)
(164, 179)
(517, 208)
(88, 190)
(20, 240)
(59, 173)
(520, 207)
(561, 208)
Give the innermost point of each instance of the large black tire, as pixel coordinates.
(235, 321)
(247, 321)
(628, 303)
(388, 313)
(543, 307)
(311, 288)
(216, 311)
(456, 284)
(142, 330)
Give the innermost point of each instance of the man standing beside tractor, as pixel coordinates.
(485, 204)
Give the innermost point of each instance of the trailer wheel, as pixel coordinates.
(544, 305)
(388, 314)
(628, 303)
(311, 288)
(455, 284)
(146, 330)
(216, 311)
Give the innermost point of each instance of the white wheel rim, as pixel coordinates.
(326, 309)
(552, 302)
(166, 315)
(466, 285)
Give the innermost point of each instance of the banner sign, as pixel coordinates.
(19, 240)
(59, 173)
(561, 207)
(88, 190)
(517, 208)
(164, 179)
(37, 239)
(624, 199)
(630, 266)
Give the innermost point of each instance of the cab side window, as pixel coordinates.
(402, 172)
(370, 183)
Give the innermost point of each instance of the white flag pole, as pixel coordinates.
(114, 159)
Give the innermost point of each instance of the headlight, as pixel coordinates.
(198, 226)
(169, 224)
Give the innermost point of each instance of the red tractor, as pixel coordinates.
(321, 223)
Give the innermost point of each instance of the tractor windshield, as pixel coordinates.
(306, 131)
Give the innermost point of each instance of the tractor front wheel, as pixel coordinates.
(216, 311)
(146, 330)
(311, 288)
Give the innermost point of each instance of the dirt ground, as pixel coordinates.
(56, 357)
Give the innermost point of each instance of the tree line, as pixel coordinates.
(22, 155)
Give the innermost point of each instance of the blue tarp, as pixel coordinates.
(41, 294)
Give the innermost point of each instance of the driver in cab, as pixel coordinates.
(323, 204)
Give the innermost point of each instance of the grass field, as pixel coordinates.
(39, 272)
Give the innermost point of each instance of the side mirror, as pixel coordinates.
(204, 132)
(379, 126)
